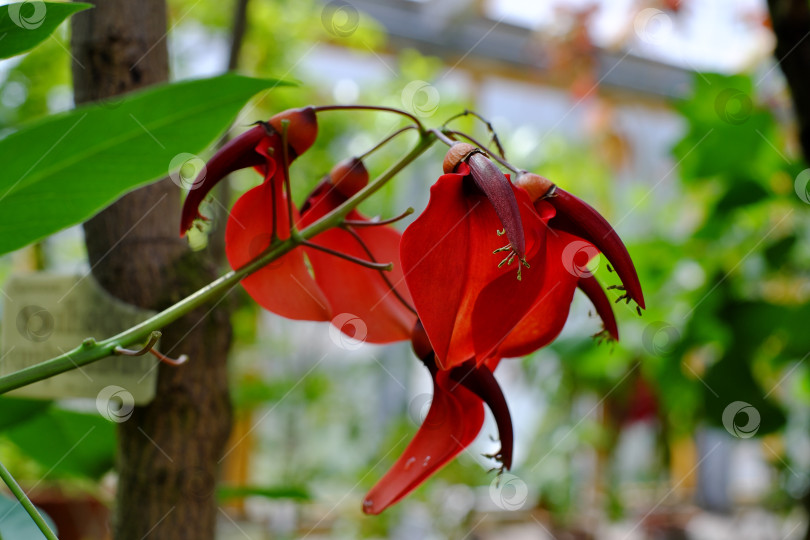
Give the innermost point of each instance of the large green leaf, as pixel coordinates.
(24, 25)
(16, 410)
(67, 443)
(62, 170)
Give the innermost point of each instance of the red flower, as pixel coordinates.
(471, 305)
(286, 286)
(476, 312)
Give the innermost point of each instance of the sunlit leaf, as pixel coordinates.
(94, 154)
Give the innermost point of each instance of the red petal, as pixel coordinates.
(447, 254)
(351, 288)
(593, 290)
(546, 318)
(501, 196)
(579, 218)
(284, 286)
(237, 154)
(452, 423)
(480, 381)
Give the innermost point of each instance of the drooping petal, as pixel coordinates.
(237, 153)
(350, 288)
(285, 286)
(452, 423)
(579, 218)
(549, 311)
(448, 257)
(479, 380)
(593, 290)
(258, 147)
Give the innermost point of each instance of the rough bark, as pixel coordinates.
(168, 450)
(791, 24)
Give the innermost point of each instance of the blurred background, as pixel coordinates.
(670, 117)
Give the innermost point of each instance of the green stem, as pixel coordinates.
(91, 351)
(26, 503)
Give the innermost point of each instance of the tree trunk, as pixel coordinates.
(791, 24)
(168, 450)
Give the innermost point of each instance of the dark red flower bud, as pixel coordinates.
(302, 129)
(457, 153)
(535, 185)
(238, 153)
(349, 176)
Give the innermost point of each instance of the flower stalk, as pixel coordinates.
(26, 503)
(91, 350)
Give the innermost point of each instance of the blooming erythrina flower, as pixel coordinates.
(262, 214)
(475, 309)
(488, 271)
(470, 302)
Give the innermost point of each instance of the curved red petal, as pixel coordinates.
(501, 195)
(546, 317)
(593, 290)
(480, 381)
(284, 286)
(452, 423)
(579, 218)
(237, 153)
(351, 288)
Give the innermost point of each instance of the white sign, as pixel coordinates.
(46, 315)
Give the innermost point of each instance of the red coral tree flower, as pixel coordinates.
(475, 311)
(264, 215)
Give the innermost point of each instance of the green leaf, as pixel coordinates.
(68, 167)
(15, 410)
(24, 25)
(67, 443)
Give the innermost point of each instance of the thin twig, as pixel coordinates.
(487, 123)
(382, 143)
(376, 223)
(153, 339)
(370, 108)
(355, 260)
(382, 274)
